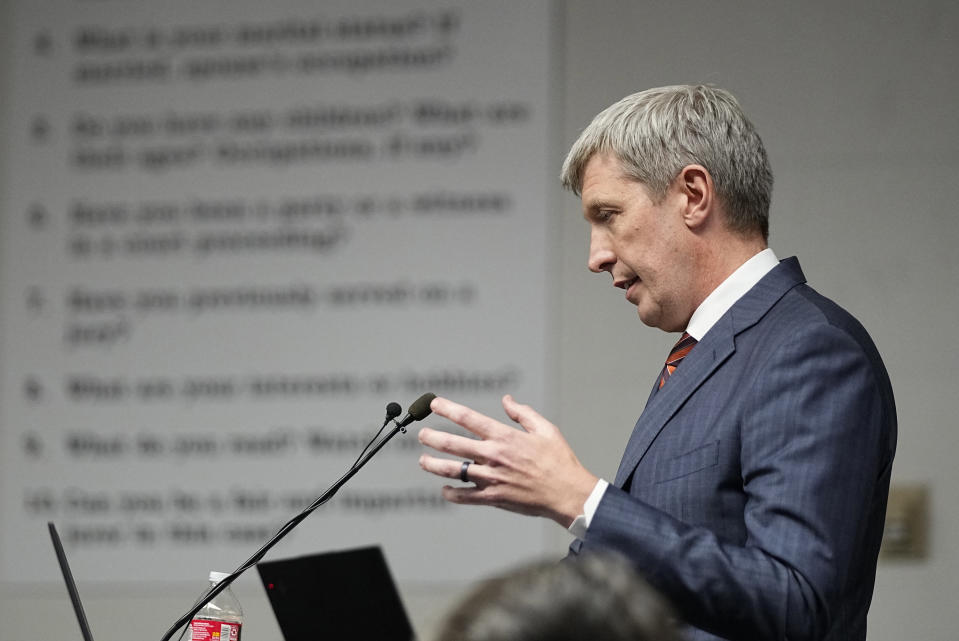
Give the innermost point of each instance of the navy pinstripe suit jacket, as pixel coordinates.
(756, 479)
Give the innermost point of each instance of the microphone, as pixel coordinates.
(419, 409)
(392, 411)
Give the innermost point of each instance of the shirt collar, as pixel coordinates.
(729, 291)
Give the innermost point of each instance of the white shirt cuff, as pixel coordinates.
(581, 523)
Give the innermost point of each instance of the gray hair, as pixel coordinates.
(657, 132)
(595, 597)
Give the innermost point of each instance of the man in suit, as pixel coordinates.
(753, 488)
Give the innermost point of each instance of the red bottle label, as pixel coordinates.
(207, 630)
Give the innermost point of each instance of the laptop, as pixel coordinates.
(71, 584)
(336, 595)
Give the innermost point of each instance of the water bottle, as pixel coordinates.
(221, 618)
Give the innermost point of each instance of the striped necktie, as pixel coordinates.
(682, 347)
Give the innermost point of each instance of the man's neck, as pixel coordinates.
(730, 290)
(723, 256)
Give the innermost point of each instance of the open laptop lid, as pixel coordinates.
(71, 584)
(336, 595)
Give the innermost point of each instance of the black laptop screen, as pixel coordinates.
(336, 595)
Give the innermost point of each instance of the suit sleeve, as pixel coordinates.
(813, 433)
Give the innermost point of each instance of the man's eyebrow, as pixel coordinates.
(603, 202)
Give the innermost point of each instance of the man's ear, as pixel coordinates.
(696, 186)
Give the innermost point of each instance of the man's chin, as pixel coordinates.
(654, 318)
(647, 317)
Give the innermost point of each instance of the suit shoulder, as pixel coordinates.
(804, 305)
(804, 312)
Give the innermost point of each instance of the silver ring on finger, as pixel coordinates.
(464, 476)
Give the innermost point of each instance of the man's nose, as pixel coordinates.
(601, 256)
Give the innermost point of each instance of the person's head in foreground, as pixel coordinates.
(594, 598)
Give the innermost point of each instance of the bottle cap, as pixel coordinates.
(216, 577)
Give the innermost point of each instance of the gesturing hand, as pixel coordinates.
(530, 470)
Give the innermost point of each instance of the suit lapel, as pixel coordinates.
(699, 365)
(710, 353)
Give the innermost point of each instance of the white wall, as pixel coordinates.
(856, 103)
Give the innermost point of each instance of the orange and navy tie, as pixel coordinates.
(682, 347)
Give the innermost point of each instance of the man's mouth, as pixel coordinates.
(627, 285)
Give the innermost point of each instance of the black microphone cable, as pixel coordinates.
(393, 410)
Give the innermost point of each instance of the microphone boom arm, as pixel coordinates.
(282, 532)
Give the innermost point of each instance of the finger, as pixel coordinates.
(477, 423)
(531, 420)
(454, 444)
(447, 468)
(467, 495)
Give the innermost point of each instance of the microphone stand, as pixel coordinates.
(282, 532)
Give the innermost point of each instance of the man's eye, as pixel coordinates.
(604, 214)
